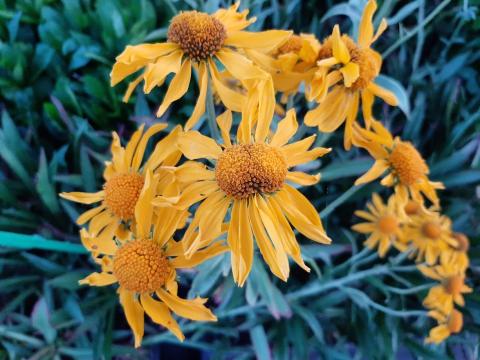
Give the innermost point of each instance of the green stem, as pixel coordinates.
(212, 122)
(340, 200)
(28, 242)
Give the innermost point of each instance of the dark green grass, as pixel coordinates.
(57, 112)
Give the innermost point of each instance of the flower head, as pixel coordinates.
(250, 177)
(125, 179)
(345, 74)
(448, 324)
(143, 263)
(200, 41)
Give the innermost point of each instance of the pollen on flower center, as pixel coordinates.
(199, 35)
(121, 194)
(431, 230)
(455, 321)
(368, 60)
(453, 285)
(292, 45)
(407, 162)
(141, 266)
(245, 170)
(388, 224)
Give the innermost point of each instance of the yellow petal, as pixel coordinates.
(197, 146)
(133, 313)
(239, 66)
(365, 34)
(266, 109)
(156, 73)
(367, 104)
(378, 168)
(192, 171)
(96, 245)
(189, 309)
(131, 87)
(177, 88)
(381, 28)
(264, 40)
(349, 124)
(350, 73)
(163, 150)
(306, 156)
(84, 198)
(301, 178)
(160, 314)
(246, 247)
(234, 242)
(286, 128)
(140, 149)
(132, 145)
(98, 279)
(386, 95)
(196, 192)
(232, 100)
(118, 154)
(144, 208)
(339, 49)
(224, 122)
(198, 257)
(199, 109)
(276, 258)
(88, 215)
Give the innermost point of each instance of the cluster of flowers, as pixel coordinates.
(405, 223)
(232, 190)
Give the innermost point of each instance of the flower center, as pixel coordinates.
(453, 285)
(368, 60)
(246, 170)
(199, 35)
(121, 194)
(407, 163)
(431, 230)
(455, 321)
(388, 224)
(412, 208)
(140, 266)
(462, 242)
(292, 45)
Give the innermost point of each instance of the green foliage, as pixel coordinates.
(57, 109)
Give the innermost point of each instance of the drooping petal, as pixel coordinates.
(301, 178)
(163, 150)
(98, 279)
(178, 86)
(199, 109)
(156, 73)
(198, 257)
(134, 314)
(350, 72)
(386, 95)
(234, 242)
(189, 309)
(232, 100)
(224, 122)
(246, 247)
(339, 49)
(239, 66)
(197, 146)
(89, 214)
(160, 314)
(140, 150)
(83, 197)
(286, 128)
(264, 40)
(378, 168)
(144, 208)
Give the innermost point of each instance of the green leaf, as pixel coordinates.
(397, 88)
(260, 342)
(45, 187)
(41, 320)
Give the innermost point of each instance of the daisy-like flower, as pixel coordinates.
(407, 170)
(198, 40)
(448, 324)
(144, 264)
(250, 178)
(346, 74)
(290, 64)
(125, 179)
(450, 290)
(384, 224)
(430, 236)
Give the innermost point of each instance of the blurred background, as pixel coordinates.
(57, 110)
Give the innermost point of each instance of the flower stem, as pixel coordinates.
(210, 107)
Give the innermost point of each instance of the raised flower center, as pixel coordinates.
(199, 35)
(431, 230)
(121, 194)
(246, 170)
(455, 321)
(368, 60)
(388, 224)
(407, 162)
(462, 242)
(453, 285)
(141, 266)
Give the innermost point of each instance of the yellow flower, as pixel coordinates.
(250, 178)
(450, 290)
(430, 236)
(384, 224)
(290, 64)
(144, 265)
(447, 325)
(346, 74)
(198, 40)
(407, 170)
(125, 179)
